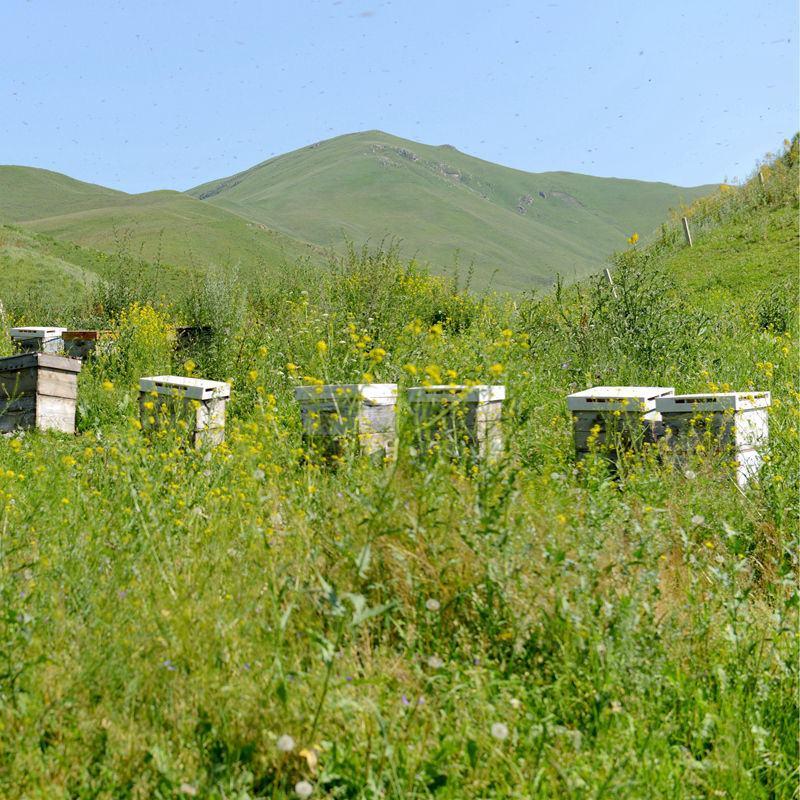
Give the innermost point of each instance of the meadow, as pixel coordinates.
(249, 622)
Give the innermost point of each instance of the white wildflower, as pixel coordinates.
(698, 519)
(434, 662)
(432, 604)
(500, 731)
(303, 789)
(690, 474)
(285, 743)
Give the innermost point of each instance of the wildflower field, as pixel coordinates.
(252, 622)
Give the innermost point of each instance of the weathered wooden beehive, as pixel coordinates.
(338, 416)
(80, 344)
(37, 339)
(613, 419)
(193, 404)
(38, 390)
(726, 423)
(462, 421)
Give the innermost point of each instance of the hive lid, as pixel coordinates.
(43, 360)
(83, 335)
(36, 332)
(468, 394)
(714, 401)
(190, 388)
(375, 393)
(618, 398)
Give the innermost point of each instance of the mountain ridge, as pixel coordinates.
(515, 230)
(356, 192)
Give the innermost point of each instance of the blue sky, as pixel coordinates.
(145, 95)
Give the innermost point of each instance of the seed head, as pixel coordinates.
(500, 731)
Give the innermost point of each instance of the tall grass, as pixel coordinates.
(526, 628)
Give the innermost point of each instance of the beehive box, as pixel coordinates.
(190, 335)
(37, 339)
(80, 344)
(38, 390)
(717, 423)
(336, 416)
(194, 404)
(462, 421)
(613, 419)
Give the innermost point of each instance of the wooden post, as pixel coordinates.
(611, 283)
(686, 232)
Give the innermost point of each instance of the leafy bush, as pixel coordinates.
(776, 308)
(635, 330)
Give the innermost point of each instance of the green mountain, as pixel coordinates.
(28, 193)
(163, 226)
(517, 229)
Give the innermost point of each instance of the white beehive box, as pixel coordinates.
(35, 338)
(736, 422)
(615, 418)
(196, 404)
(38, 390)
(462, 420)
(336, 415)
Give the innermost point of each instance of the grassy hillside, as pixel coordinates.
(253, 622)
(31, 266)
(45, 278)
(166, 227)
(754, 252)
(29, 193)
(519, 229)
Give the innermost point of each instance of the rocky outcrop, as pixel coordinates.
(524, 203)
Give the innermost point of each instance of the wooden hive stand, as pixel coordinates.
(38, 390)
(339, 416)
(613, 419)
(462, 421)
(196, 405)
(719, 423)
(37, 339)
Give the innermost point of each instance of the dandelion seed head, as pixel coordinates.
(285, 743)
(432, 604)
(500, 731)
(434, 662)
(303, 789)
(698, 519)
